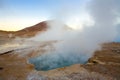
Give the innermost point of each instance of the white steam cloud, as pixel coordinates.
(77, 46)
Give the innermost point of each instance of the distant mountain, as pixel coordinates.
(26, 32)
(32, 30)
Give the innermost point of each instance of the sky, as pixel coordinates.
(18, 14)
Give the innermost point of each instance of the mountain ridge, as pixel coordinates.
(26, 32)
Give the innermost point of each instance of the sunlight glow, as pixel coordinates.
(76, 22)
(79, 21)
(18, 24)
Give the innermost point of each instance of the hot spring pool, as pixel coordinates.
(52, 61)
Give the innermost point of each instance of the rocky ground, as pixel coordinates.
(106, 61)
(15, 53)
(104, 65)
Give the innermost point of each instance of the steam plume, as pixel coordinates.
(77, 46)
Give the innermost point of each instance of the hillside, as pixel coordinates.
(27, 32)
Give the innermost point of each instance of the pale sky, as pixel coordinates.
(18, 14)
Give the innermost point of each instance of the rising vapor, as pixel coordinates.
(75, 46)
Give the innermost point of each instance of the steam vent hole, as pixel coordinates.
(52, 61)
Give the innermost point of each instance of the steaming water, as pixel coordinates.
(78, 47)
(85, 42)
(56, 60)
